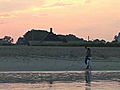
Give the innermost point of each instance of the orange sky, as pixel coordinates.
(96, 18)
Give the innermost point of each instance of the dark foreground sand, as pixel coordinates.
(38, 58)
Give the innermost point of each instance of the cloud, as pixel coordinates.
(60, 4)
(13, 5)
(41, 15)
(15, 8)
(4, 0)
(7, 15)
(88, 1)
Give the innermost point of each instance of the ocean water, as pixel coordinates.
(59, 80)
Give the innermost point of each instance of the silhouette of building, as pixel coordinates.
(43, 37)
(51, 30)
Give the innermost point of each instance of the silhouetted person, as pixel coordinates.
(88, 66)
(88, 57)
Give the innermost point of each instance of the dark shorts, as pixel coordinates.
(86, 59)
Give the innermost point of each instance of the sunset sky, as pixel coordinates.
(94, 18)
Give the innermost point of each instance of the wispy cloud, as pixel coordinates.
(7, 15)
(4, 0)
(41, 15)
(60, 4)
(13, 5)
(88, 1)
(15, 8)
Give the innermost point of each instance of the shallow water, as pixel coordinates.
(46, 76)
(61, 80)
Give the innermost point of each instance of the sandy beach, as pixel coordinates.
(61, 86)
(41, 58)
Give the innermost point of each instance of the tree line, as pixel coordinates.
(42, 35)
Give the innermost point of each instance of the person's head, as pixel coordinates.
(87, 48)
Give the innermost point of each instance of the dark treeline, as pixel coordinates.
(43, 36)
(67, 40)
(7, 40)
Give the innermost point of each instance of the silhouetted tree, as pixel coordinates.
(8, 39)
(103, 41)
(96, 41)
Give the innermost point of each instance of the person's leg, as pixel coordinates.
(88, 63)
(86, 58)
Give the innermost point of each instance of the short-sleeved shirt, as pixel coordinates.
(88, 53)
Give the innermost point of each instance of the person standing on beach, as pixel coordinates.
(88, 58)
(88, 66)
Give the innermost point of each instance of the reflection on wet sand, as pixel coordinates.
(88, 88)
(61, 81)
(100, 85)
(88, 76)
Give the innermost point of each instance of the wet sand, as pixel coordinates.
(59, 80)
(104, 85)
(63, 76)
